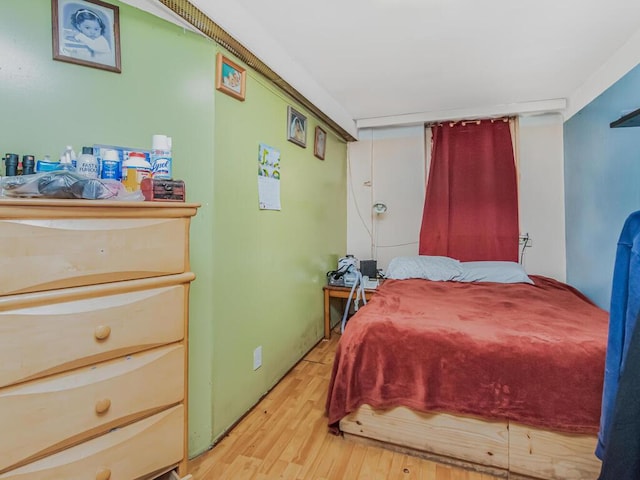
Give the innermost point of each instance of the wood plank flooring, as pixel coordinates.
(285, 437)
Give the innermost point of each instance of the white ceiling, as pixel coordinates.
(384, 62)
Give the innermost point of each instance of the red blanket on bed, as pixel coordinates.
(533, 354)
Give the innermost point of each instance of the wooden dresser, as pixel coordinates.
(93, 339)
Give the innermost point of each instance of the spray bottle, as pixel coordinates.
(161, 156)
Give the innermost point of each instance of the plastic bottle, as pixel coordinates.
(135, 168)
(111, 165)
(11, 164)
(67, 159)
(28, 164)
(161, 161)
(87, 164)
(71, 154)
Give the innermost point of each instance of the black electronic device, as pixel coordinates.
(369, 268)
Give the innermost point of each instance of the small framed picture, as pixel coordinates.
(86, 32)
(231, 78)
(296, 127)
(320, 144)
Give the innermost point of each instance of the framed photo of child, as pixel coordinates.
(86, 32)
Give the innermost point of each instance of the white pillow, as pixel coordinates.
(493, 271)
(423, 266)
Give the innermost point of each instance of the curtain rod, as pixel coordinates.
(477, 121)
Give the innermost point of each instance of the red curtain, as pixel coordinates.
(471, 206)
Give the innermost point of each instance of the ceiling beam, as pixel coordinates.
(521, 108)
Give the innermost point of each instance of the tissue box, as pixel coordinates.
(162, 190)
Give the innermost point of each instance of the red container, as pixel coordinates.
(163, 190)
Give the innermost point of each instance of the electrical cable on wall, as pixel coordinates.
(372, 229)
(525, 244)
(353, 195)
(397, 245)
(374, 226)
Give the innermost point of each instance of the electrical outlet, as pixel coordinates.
(257, 358)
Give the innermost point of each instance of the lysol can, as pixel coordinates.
(160, 157)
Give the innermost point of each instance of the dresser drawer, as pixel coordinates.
(150, 445)
(60, 253)
(76, 327)
(43, 415)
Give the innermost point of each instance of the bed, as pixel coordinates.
(504, 378)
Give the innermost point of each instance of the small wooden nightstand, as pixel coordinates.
(334, 291)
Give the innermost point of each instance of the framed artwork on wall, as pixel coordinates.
(86, 32)
(231, 78)
(320, 144)
(296, 127)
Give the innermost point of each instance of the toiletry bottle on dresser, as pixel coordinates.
(111, 166)
(134, 169)
(87, 164)
(11, 164)
(28, 164)
(70, 156)
(68, 159)
(161, 156)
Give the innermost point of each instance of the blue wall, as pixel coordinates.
(602, 185)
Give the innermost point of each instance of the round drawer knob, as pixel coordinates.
(102, 406)
(103, 473)
(102, 332)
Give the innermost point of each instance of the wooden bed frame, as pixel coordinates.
(500, 448)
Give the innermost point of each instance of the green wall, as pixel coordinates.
(259, 273)
(269, 265)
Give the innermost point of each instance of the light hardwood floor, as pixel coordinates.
(285, 437)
